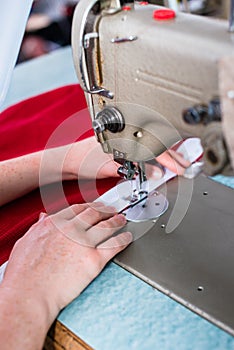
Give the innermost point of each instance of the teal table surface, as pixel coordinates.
(118, 311)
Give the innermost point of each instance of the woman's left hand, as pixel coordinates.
(86, 160)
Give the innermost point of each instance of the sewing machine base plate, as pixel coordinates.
(193, 264)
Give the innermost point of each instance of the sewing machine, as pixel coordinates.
(153, 77)
(191, 266)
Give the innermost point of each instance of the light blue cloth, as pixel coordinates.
(118, 311)
(225, 180)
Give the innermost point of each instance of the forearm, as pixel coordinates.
(84, 160)
(21, 175)
(18, 176)
(24, 320)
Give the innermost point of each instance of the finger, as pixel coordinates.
(74, 210)
(166, 160)
(114, 245)
(93, 215)
(105, 229)
(153, 172)
(108, 169)
(179, 158)
(71, 211)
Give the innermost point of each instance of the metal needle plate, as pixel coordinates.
(194, 263)
(156, 204)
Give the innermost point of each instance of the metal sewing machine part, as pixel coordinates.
(159, 70)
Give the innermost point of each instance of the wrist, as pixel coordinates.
(54, 166)
(23, 312)
(27, 293)
(75, 158)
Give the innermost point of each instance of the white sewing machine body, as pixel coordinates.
(151, 71)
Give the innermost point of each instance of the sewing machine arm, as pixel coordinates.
(150, 82)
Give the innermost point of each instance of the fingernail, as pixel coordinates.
(128, 236)
(122, 217)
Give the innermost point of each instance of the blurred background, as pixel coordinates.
(49, 24)
(48, 28)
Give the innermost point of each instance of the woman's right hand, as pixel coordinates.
(56, 259)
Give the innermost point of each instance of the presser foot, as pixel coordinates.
(151, 208)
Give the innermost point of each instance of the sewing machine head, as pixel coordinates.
(151, 78)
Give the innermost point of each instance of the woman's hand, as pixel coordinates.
(173, 161)
(86, 159)
(55, 260)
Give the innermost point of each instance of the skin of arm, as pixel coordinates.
(81, 160)
(50, 266)
(23, 174)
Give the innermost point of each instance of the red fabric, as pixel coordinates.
(26, 127)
